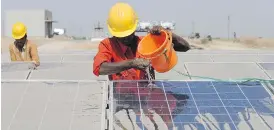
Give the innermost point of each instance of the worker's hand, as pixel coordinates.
(32, 65)
(140, 63)
(152, 86)
(156, 30)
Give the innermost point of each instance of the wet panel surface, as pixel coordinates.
(193, 104)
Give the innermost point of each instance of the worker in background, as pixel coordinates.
(235, 37)
(209, 37)
(118, 59)
(22, 49)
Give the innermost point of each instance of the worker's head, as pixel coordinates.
(19, 43)
(19, 33)
(122, 21)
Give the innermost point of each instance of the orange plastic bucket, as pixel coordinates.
(159, 49)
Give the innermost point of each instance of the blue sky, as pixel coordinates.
(248, 17)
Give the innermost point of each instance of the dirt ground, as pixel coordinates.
(244, 43)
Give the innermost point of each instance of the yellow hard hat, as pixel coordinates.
(122, 20)
(19, 30)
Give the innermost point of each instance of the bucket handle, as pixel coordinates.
(167, 59)
(165, 51)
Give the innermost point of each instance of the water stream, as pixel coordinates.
(150, 85)
(149, 75)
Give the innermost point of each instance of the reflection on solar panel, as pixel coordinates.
(192, 105)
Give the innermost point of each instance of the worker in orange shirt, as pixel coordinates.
(22, 49)
(118, 59)
(117, 55)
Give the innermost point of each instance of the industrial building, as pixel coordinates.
(38, 22)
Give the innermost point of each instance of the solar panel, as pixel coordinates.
(192, 105)
(193, 58)
(196, 109)
(15, 70)
(226, 56)
(5, 57)
(52, 105)
(271, 73)
(266, 58)
(75, 58)
(50, 58)
(175, 73)
(235, 58)
(268, 68)
(65, 71)
(225, 70)
(67, 57)
(226, 52)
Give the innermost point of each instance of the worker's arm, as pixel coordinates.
(117, 67)
(12, 55)
(179, 43)
(34, 54)
(108, 68)
(102, 64)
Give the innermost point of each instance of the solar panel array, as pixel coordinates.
(62, 93)
(215, 64)
(62, 73)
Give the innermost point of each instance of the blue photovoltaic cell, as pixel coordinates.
(209, 103)
(255, 92)
(200, 104)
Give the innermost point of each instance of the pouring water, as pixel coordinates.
(150, 84)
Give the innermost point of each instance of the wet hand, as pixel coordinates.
(151, 86)
(156, 30)
(140, 63)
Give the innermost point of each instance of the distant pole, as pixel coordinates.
(193, 27)
(80, 31)
(228, 26)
